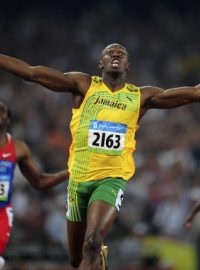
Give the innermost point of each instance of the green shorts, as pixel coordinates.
(81, 194)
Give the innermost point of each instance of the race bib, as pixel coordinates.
(106, 137)
(4, 190)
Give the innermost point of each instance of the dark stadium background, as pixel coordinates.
(164, 45)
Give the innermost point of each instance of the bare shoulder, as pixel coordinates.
(21, 148)
(82, 80)
(77, 74)
(148, 92)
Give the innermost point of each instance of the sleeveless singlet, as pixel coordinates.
(103, 133)
(7, 167)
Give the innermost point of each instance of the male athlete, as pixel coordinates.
(12, 152)
(106, 112)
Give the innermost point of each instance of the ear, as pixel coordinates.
(128, 67)
(100, 64)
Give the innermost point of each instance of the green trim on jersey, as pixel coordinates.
(89, 113)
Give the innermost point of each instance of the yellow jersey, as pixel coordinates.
(103, 133)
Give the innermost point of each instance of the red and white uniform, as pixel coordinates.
(7, 167)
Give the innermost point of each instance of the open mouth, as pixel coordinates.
(115, 63)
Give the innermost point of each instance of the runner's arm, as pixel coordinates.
(171, 98)
(74, 82)
(33, 174)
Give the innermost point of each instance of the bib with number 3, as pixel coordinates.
(4, 189)
(106, 137)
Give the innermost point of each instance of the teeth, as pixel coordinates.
(115, 63)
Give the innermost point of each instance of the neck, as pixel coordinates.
(114, 81)
(3, 137)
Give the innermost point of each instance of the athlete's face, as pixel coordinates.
(4, 119)
(114, 59)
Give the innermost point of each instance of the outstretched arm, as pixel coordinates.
(192, 214)
(74, 82)
(171, 98)
(32, 173)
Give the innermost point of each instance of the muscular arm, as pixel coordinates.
(153, 97)
(75, 82)
(32, 173)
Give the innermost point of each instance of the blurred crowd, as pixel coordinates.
(164, 51)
